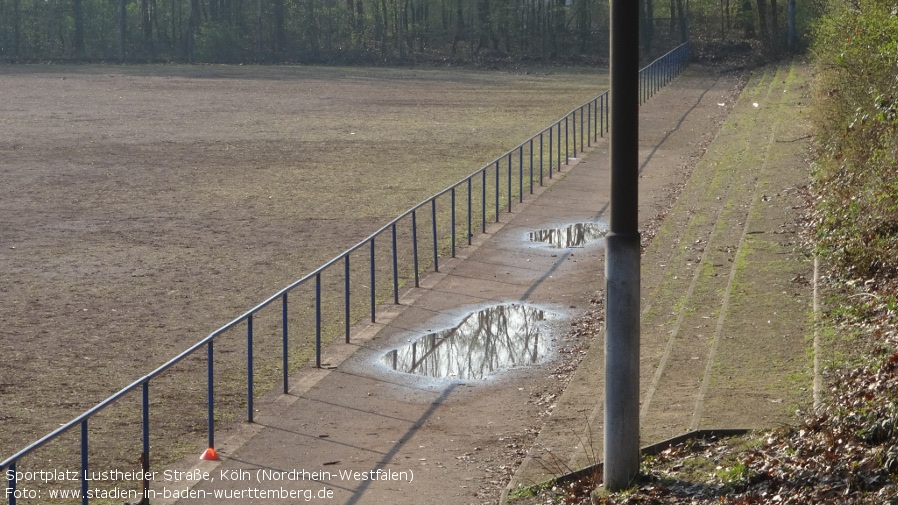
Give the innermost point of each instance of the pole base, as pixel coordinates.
(210, 455)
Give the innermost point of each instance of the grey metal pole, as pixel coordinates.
(622, 261)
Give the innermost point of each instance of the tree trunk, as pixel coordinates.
(762, 23)
(681, 17)
(360, 21)
(311, 29)
(729, 24)
(484, 24)
(584, 22)
(146, 27)
(280, 35)
(558, 46)
(78, 14)
(647, 26)
(746, 17)
(459, 26)
(121, 30)
(16, 31)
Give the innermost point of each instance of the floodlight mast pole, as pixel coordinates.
(622, 262)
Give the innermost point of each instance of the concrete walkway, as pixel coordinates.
(460, 442)
(726, 331)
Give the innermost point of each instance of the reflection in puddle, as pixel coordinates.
(498, 337)
(575, 235)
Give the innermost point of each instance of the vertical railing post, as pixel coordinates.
(589, 124)
(574, 130)
(641, 87)
(665, 67)
(145, 422)
(581, 129)
(433, 226)
(595, 120)
(470, 210)
(483, 201)
(509, 183)
(210, 393)
(551, 145)
(540, 158)
(249, 368)
(567, 148)
(84, 468)
(318, 320)
(346, 304)
(373, 279)
(607, 112)
(531, 165)
(559, 145)
(662, 70)
(452, 220)
(145, 438)
(285, 364)
(521, 173)
(668, 69)
(395, 268)
(497, 191)
(415, 247)
(11, 484)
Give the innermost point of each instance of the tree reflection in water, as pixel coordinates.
(488, 340)
(575, 235)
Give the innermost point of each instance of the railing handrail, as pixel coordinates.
(247, 315)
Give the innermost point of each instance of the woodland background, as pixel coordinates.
(371, 31)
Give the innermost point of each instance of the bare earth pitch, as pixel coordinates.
(144, 207)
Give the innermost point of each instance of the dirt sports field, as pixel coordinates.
(144, 207)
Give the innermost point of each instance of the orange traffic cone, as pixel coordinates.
(210, 455)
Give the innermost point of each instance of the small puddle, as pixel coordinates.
(484, 342)
(575, 235)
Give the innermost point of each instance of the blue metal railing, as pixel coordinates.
(544, 156)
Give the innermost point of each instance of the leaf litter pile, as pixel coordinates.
(844, 450)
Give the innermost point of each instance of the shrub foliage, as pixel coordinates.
(856, 46)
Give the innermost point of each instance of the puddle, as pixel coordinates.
(486, 341)
(575, 235)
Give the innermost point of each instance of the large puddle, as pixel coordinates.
(484, 342)
(575, 235)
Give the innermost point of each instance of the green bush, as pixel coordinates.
(856, 95)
